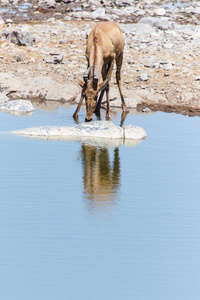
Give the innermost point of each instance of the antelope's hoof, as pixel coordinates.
(125, 110)
(75, 116)
(108, 117)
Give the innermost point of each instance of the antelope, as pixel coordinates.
(105, 44)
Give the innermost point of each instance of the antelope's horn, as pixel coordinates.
(86, 74)
(95, 77)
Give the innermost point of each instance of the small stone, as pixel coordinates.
(146, 110)
(62, 42)
(32, 60)
(9, 22)
(143, 77)
(187, 96)
(54, 59)
(18, 58)
(159, 11)
(99, 13)
(159, 23)
(167, 67)
(144, 29)
(20, 38)
(148, 62)
(134, 132)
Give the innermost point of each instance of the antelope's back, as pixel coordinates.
(108, 36)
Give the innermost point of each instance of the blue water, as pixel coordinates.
(172, 6)
(84, 222)
(22, 8)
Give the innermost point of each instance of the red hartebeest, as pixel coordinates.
(105, 44)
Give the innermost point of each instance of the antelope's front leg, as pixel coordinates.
(75, 115)
(97, 109)
(108, 112)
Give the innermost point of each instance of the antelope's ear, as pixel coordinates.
(103, 85)
(81, 82)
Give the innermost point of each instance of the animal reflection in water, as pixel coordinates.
(101, 178)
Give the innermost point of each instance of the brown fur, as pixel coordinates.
(105, 45)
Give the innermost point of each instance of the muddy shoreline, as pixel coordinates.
(161, 68)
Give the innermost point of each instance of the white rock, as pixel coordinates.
(38, 87)
(140, 12)
(167, 67)
(9, 21)
(17, 105)
(100, 129)
(148, 62)
(130, 102)
(143, 77)
(54, 59)
(129, 10)
(3, 98)
(160, 23)
(187, 96)
(146, 94)
(93, 130)
(100, 12)
(168, 45)
(128, 28)
(146, 110)
(134, 132)
(10, 83)
(160, 11)
(50, 3)
(144, 29)
(21, 38)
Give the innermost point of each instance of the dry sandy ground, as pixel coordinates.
(174, 90)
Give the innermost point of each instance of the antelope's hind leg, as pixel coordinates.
(118, 79)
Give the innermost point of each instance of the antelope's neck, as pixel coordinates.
(96, 59)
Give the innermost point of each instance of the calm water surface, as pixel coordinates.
(85, 222)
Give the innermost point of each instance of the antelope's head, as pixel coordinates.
(90, 90)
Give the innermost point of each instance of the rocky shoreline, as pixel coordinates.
(43, 51)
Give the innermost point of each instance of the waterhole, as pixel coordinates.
(85, 222)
